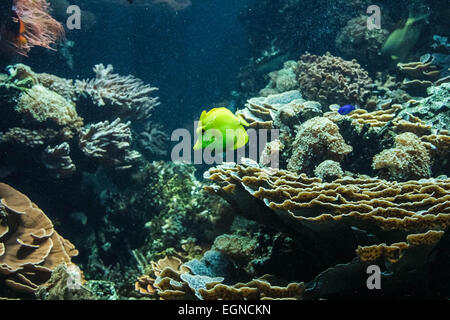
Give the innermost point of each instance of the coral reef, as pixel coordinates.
(109, 143)
(317, 139)
(57, 160)
(284, 110)
(41, 104)
(127, 96)
(282, 80)
(153, 142)
(408, 160)
(329, 80)
(30, 247)
(328, 171)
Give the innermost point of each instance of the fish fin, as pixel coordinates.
(203, 115)
(241, 139)
(413, 20)
(198, 144)
(242, 120)
(394, 57)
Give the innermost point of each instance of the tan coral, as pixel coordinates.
(26, 137)
(286, 200)
(144, 285)
(409, 159)
(329, 79)
(317, 139)
(30, 248)
(41, 104)
(393, 253)
(256, 289)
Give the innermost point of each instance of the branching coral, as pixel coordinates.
(126, 95)
(329, 79)
(109, 143)
(153, 141)
(408, 160)
(57, 160)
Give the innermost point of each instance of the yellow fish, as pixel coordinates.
(402, 40)
(220, 129)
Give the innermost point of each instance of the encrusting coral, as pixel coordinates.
(41, 104)
(282, 80)
(30, 248)
(329, 170)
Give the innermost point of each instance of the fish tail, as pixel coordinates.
(412, 19)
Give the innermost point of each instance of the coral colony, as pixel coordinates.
(335, 163)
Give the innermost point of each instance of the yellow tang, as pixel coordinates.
(220, 129)
(402, 39)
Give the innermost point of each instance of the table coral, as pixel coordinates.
(303, 206)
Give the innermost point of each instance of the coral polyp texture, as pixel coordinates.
(126, 95)
(109, 143)
(30, 248)
(408, 160)
(317, 139)
(330, 79)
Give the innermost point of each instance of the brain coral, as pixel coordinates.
(329, 79)
(30, 248)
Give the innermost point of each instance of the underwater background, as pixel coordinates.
(93, 205)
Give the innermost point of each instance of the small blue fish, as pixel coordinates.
(346, 109)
